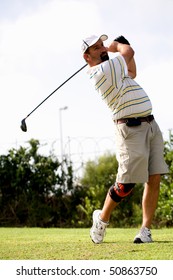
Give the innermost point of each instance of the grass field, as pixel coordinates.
(75, 244)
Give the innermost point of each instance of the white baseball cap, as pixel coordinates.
(91, 40)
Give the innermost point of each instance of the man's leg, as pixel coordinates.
(115, 195)
(149, 204)
(150, 199)
(101, 220)
(101, 217)
(108, 207)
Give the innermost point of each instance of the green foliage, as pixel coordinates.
(28, 181)
(101, 172)
(164, 213)
(93, 200)
(39, 191)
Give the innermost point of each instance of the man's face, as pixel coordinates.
(96, 54)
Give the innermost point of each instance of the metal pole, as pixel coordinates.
(61, 130)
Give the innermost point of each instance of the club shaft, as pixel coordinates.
(55, 90)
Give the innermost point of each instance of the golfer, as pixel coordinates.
(139, 140)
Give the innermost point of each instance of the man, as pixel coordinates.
(138, 137)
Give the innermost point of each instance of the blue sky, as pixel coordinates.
(40, 48)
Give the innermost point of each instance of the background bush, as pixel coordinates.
(39, 191)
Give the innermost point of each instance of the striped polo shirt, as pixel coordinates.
(121, 93)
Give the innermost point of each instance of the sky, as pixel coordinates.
(40, 47)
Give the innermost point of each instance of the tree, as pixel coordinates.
(164, 213)
(37, 190)
(28, 183)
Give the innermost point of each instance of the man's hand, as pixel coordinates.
(121, 39)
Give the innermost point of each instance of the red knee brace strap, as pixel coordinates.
(118, 191)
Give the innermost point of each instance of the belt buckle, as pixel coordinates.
(149, 118)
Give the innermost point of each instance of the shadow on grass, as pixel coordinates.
(136, 244)
(163, 241)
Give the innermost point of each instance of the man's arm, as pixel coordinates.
(132, 68)
(128, 53)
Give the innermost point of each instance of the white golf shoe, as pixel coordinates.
(98, 230)
(144, 236)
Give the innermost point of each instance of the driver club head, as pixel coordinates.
(23, 125)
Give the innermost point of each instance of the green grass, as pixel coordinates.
(75, 244)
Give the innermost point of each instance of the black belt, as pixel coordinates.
(140, 119)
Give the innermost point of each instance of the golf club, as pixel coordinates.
(23, 122)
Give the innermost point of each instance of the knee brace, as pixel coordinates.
(118, 191)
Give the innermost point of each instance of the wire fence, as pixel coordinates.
(78, 150)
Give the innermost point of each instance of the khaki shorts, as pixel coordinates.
(139, 152)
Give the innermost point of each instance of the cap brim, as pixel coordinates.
(103, 37)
